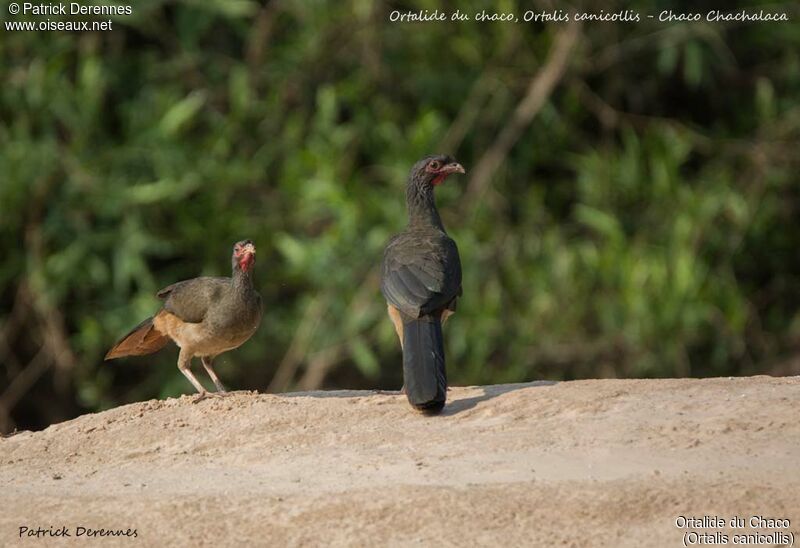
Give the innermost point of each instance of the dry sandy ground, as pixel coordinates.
(588, 463)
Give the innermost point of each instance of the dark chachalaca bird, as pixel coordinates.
(203, 316)
(421, 281)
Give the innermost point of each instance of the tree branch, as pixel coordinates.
(538, 92)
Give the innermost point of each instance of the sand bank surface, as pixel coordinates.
(584, 463)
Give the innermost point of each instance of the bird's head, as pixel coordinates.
(433, 170)
(244, 255)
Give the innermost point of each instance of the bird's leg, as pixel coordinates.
(446, 313)
(185, 364)
(207, 360)
(394, 314)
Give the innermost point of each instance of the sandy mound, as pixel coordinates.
(611, 462)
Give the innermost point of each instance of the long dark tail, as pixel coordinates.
(143, 339)
(423, 363)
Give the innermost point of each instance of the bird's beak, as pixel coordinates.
(455, 167)
(249, 248)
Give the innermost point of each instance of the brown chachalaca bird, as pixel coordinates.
(421, 281)
(203, 316)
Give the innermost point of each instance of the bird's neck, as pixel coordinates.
(421, 206)
(242, 280)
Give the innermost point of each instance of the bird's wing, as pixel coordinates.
(190, 300)
(421, 272)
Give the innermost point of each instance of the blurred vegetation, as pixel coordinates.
(640, 219)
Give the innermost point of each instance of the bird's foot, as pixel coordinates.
(389, 392)
(203, 395)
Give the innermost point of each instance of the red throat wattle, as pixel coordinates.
(439, 179)
(246, 261)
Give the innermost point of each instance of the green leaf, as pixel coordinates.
(181, 113)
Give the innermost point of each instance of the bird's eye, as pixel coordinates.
(434, 165)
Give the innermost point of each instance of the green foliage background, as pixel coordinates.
(644, 224)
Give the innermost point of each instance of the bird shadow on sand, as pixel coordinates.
(453, 406)
(489, 392)
(336, 393)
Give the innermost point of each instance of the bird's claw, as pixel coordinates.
(389, 392)
(203, 395)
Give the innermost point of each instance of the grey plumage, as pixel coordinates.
(421, 279)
